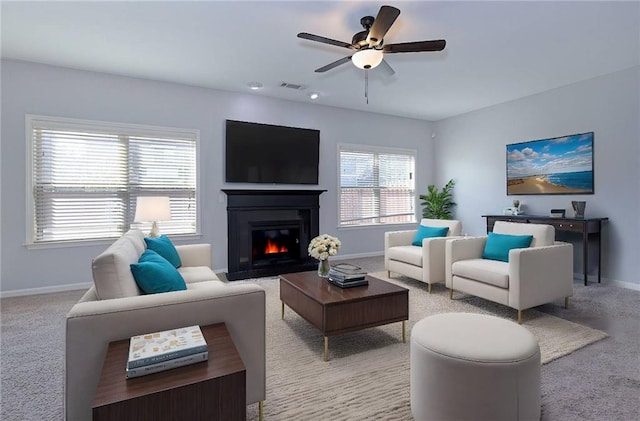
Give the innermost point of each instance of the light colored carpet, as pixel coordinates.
(367, 376)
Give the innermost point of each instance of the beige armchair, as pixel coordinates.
(538, 274)
(426, 263)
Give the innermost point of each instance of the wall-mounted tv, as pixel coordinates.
(559, 165)
(264, 153)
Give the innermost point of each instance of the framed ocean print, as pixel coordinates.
(558, 165)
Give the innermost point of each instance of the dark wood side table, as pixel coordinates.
(212, 390)
(586, 227)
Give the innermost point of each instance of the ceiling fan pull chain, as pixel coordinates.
(366, 85)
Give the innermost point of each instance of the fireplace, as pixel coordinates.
(269, 231)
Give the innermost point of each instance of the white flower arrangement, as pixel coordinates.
(323, 246)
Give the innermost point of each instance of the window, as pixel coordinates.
(376, 185)
(87, 175)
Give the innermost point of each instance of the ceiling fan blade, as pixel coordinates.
(386, 16)
(415, 47)
(324, 40)
(332, 65)
(385, 68)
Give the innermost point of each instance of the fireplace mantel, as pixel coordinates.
(248, 209)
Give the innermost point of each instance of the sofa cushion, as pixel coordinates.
(165, 248)
(428, 232)
(497, 246)
(137, 239)
(112, 275)
(492, 272)
(194, 274)
(154, 274)
(406, 254)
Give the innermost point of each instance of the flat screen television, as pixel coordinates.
(264, 153)
(559, 165)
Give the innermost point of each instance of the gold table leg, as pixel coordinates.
(404, 331)
(282, 309)
(260, 410)
(326, 348)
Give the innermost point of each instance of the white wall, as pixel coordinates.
(471, 149)
(52, 91)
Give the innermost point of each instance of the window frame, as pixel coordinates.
(374, 149)
(64, 123)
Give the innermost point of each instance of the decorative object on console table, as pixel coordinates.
(578, 208)
(589, 228)
(321, 248)
(557, 213)
(158, 347)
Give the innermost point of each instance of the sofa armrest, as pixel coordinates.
(538, 275)
(434, 258)
(462, 248)
(195, 254)
(90, 326)
(398, 238)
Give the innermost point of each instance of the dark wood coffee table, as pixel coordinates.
(212, 390)
(335, 310)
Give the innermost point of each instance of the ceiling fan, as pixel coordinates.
(368, 44)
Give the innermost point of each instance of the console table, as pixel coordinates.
(587, 227)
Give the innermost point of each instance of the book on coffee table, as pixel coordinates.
(158, 347)
(344, 272)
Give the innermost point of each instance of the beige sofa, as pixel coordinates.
(533, 276)
(114, 309)
(424, 263)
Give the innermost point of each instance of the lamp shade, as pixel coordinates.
(152, 209)
(367, 59)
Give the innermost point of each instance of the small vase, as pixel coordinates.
(323, 268)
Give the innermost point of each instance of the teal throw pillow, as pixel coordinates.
(428, 232)
(498, 245)
(153, 274)
(165, 248)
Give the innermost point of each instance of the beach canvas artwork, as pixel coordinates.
(559, 165)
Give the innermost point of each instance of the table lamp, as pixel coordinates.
(153, 209)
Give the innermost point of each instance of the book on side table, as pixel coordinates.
(159, 351)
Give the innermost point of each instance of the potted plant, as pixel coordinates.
(438, 204)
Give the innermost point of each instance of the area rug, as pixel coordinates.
(367, 376)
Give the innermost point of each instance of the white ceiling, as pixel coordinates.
(496, 51)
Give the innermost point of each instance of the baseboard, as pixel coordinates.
(45, 290)
(358, 255)
(593, 279)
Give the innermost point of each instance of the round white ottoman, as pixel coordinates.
(468, 366)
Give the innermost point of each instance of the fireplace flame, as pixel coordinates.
(272, 248)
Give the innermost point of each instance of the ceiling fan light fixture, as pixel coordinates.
(367, 59)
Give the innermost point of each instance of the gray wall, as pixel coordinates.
(52, 91)
(471, 149)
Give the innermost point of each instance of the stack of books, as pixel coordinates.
(346, 275)
(160, 351)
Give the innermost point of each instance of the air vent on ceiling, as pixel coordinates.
(293, 86)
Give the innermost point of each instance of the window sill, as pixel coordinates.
(393, 225)
(98, 242)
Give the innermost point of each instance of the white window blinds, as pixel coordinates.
(86, 176)
(376, 186)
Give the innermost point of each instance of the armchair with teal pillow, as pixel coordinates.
(419, 253)
(519, 265)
